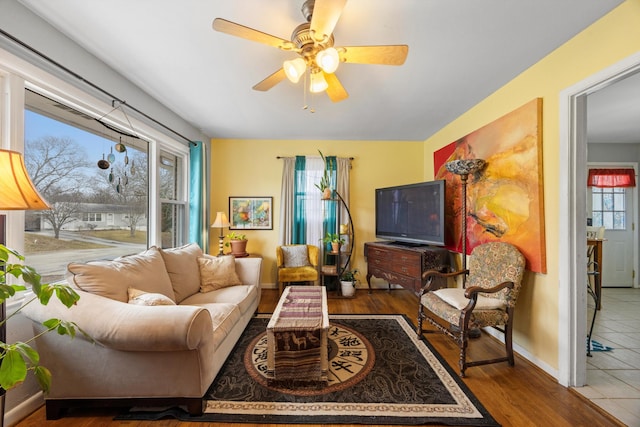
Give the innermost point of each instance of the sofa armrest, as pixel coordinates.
(249, 270)
(130, 327)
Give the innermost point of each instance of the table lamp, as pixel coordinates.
(220, 222)
(17, 192)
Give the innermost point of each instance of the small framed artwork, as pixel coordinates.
(250, 213)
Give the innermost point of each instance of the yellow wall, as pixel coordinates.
(251, 168)
(383, 163)
(611, 39)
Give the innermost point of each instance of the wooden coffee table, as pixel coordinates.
(297, 337)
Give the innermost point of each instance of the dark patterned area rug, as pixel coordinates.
(380, 373)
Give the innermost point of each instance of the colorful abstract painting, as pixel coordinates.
(505, 198)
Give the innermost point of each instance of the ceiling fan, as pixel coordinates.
(314, 42)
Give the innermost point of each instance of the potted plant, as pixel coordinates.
(348, 280)
(335, 240)
(324, 184)
(238, 243)
(18, 358)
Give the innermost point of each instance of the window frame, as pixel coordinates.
(17, 75)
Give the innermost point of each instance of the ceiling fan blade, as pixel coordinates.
(238, 30)
(271, 81)
(325, 17)
(384, 55)
(335, 90)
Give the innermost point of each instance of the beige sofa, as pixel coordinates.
(146, 352)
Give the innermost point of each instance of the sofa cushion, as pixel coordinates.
(217, 272)
(224, 318)
(138, 297)
(242, 296)
(295, 256)
(112, 279)
(183, 270)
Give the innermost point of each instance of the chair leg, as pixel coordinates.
(508, 342)
(420, 319)
(280, 288)
(463, 341)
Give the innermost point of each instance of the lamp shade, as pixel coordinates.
(318, 82)
(294, 69)
(221, 221)
(17, 192)
(328, 60)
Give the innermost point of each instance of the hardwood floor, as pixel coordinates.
(519, 396)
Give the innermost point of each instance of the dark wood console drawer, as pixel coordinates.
(379, 261)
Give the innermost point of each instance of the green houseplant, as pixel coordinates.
(335, 240)
(325, 182)
(348, 280)
(238, 244)
(17, 358)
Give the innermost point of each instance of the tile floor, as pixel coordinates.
(613, 377)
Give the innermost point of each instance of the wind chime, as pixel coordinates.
(110, 160)
(107, 163)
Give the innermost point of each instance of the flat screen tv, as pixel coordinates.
(412, 213)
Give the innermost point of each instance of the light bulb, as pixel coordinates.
(328, 60)
(294, 69)
(318, 83)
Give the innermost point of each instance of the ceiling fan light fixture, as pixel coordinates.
(328, 59)
(318, 82)
(294, 69)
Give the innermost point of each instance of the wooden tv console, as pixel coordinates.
(403, 265)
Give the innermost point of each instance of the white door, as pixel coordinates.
(614, 208)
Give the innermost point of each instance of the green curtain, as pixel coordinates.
(329, 221)
(299, 190)
(196, 193)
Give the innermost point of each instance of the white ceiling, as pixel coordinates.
(460, 51)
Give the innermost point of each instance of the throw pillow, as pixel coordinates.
(182, 266)
(295, 256)
(112, 279)
(138, 297)
(217, 272)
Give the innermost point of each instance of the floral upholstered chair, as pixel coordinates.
(296, 263)
(493, 283)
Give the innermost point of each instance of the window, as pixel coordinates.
(92, 217)
(608, 208)
(172, 203)
(98, 212)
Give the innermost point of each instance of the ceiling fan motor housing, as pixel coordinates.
(303, 40)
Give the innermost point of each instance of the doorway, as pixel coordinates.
(572, 301)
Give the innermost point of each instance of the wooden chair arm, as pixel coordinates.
(474, 290)
(431, 274)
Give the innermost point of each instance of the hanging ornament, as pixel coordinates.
(132, 169)
(118, 188)
(120, 147)
(111, 157)
(103, 164)
(126, 159)
(125, 180)
(111, 175)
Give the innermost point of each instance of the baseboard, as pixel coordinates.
(525, 354)
(24, 409)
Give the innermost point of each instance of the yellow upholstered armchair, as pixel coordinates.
(493, 283)
(297, 263)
